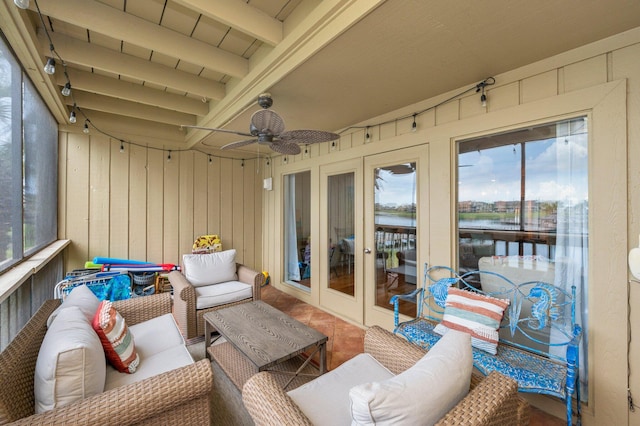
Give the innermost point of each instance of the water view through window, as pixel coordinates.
(395, 233)
(523, 209)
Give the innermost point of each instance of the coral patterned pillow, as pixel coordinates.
(116, 338)
(476, 314)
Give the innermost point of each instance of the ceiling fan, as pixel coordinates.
(267, 128)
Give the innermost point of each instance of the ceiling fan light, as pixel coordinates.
(22, 4)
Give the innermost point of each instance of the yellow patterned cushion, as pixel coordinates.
(207, 244)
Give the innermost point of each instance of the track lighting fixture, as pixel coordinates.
(414, 126)
(66, 90)
(22, 4)
(50, 67)
(86, 127)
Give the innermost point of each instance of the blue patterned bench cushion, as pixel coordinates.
(532, 372)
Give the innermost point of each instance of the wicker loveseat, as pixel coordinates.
(492, 400)
(179, 396)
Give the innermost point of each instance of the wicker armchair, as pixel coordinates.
(189, 318)
(180, 396)
(492, 400)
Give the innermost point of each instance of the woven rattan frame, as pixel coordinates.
(492, 400)
(190, 320)
(180, 396)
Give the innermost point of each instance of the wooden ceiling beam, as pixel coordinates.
(121, 89)
(120, 25)
(240, 16)
(131, 130)
(128, 108)
(79, 52)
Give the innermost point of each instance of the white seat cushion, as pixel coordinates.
(325, 400)
(146, 333)
(223, 293)
(422, 394)
(71, 363)
(170, 359)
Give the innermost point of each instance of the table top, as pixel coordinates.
(265, 335)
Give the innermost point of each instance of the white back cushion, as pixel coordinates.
(424, 393)
(211, 268)
(82, 297)
(71, 364)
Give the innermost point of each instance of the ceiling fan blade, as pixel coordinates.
(285, 148)
(308, 136)
(238, 144)
(267, 121)
(213, 129)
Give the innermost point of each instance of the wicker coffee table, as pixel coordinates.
(260, 338)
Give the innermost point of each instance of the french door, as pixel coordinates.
(395, 245)
(341, 288)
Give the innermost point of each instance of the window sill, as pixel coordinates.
(11, 279)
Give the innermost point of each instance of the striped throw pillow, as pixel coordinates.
(476, 314)
(116, 338)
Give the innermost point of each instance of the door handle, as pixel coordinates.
(367, 250)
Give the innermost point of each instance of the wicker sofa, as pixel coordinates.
(179, 396)
(492, 400)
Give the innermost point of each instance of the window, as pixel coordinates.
(28, 165)
(523, 209)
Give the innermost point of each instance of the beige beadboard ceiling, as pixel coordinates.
(141, 68)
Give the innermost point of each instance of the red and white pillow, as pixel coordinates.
(116, 338)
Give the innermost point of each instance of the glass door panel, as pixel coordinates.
(392, 263)
(395, 237)
(341, 282)
(297, 230)
(340, 220)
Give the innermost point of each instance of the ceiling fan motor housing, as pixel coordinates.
(265, 101)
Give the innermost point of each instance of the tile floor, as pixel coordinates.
(347, 340)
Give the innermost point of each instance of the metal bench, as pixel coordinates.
(539, 337)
